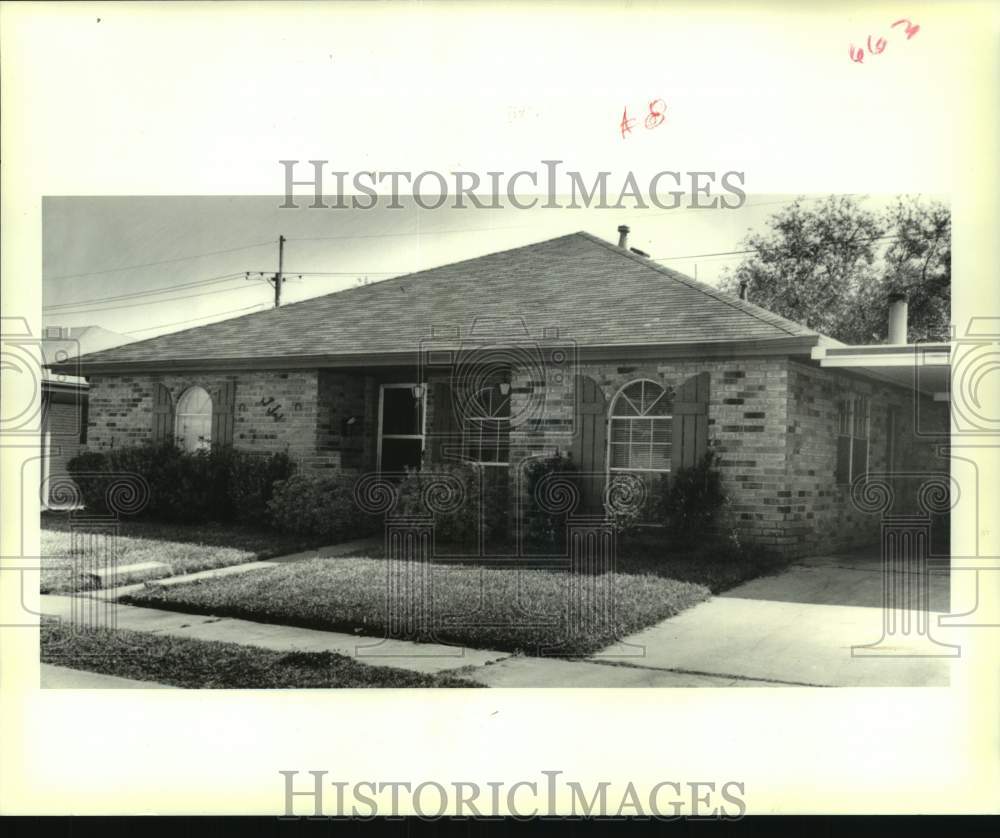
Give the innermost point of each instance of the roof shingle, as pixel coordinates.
(593, 292)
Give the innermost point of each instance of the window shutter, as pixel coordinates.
(84, 417)
(224, 414)
(690, 434)
(163, 414)
(843, 459)
(445, 432)
(590, 442)
(859, 458)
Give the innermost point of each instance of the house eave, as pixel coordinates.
(924, 367)
(792, 345)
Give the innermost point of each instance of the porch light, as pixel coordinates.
(418, 391)
(504, 388)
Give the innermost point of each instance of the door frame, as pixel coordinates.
(422, 436)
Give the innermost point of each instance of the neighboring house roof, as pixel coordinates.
(594, 293)
(61, 345)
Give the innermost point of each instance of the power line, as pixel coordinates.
(62, 308)
(403, 235)
(152, 302)
(341, 273)
(702, 255)
(192, 319)
(161, 262)
(646, 213)
(77, 303)
(78, 306)
(751, 250)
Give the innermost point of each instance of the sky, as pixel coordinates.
(144, 266)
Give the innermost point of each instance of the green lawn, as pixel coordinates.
(718, 567)
(201, 664)
(185, 547)
(526, 610)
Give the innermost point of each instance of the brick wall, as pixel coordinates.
(819, 513)
(747, 417)
(341, 399)
(773, 423)
(121, 409)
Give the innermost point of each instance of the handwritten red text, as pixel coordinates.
(878, 45)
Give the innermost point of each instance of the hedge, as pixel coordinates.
(320, 505)
(218, 485)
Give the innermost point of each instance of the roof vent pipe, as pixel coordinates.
(898, 316)
(744, 285)
(623, 236)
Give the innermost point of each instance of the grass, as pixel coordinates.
(185, 547)
(201, 664)
(518, 610)
(717, 566)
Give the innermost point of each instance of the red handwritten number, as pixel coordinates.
(879, 46)
(626, 126)
(858, 54)
(656, 117)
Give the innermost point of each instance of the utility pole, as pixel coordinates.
(278, 275)
(276, 279)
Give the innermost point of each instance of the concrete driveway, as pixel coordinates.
(798, 628)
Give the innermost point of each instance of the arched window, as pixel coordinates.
(641, 427)
(193, 422)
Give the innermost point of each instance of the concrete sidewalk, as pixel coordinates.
(64, 678)
(345, 548)
(402, 654)
(530, 672)
(798, 628)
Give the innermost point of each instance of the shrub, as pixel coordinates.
(460, 497)
(84, 469)
(630, 503)
(320, 505)
(251, 479)
(182, 487)
(217, 485)
(689, 501)
(496, 503)
(550, 488)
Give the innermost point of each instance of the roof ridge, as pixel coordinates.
(533, 268)
(381, 284)
(722, 296)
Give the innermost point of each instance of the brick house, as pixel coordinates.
(571, 344)
(64, 414)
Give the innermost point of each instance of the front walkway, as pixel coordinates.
(793, 629)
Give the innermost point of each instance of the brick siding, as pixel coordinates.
(772, 422)
(121, 409)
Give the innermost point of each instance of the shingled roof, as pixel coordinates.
(594, 293)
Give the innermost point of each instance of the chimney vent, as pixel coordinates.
(744, 285)
(623, 236)
(898, 317)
